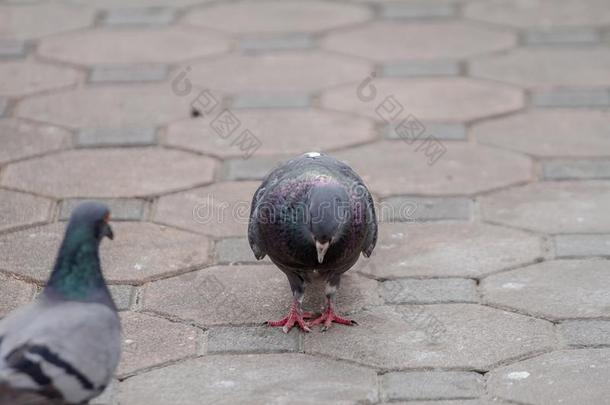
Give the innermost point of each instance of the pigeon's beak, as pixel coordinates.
(107, 231)
(321, 248)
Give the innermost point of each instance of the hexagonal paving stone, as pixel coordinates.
(540, 13)
(568, 377)
(391, 41)
(556, 289)
(29, 77)
(439, 99)
(149, 341)
(131, 172)
(128, 106)
(13, 294)
(253, 294)
(391, 168)
(255, 379)
(547, 67)
(549, 133)
(32, 21)
(19, 209)
(140, 251)
(434, 336)
(448, 250)
(163, 45)
(279, 131)
(274, 16)
(552, 207)
(278, 72)
(220, 210)
(22, 139)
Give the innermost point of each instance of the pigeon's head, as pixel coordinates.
(329, 209)
(92, 219)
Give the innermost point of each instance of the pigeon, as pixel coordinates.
(312, 214)
(63, 348)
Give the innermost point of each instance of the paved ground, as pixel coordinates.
(482, 127)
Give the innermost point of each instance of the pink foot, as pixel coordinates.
(328, 317)
(295, 316)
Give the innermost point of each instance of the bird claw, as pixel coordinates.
(328, 317)
(293, 318)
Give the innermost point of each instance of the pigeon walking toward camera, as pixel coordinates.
(64, 347)
(313, 213)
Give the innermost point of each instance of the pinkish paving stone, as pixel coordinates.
(439, 99)
(110, 4)
(395, 167)
(309, 130)
(552, 207)
(433, 336)
(540, 13)
(275, 16)
(549, 133)
(13, 293)
(33, 21)
(140, 251)
(21, 139)
(19, 209)
(534, 67)
(30, 77)
(391, 41)
(307, 71)
(132, 46)
(150, 341)
(128, 106)
(135, 172)
(253, 294)
(219, 210)
(448, 250)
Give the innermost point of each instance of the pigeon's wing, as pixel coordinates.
(63, 350)
(371, 226)
(256, 242)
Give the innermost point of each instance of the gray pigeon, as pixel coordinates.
(312, 213)
(64, 347)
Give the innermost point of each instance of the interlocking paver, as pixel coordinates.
(573, 36)
(250, 339)
(125, 136)
(434, 336)
(28, 78)
(417, 10)
(128, 74)
(450, 99)
(21, 139)
(569, 377)
(310, 130)
(122, 209)
(19, 209)
(441, 290)
(75, 173)
(398, 209)
(571, 97)
(122, 295)
(273, 16)
(552, 207)
(449, 131)
(576, 169)
(32, 21)
(3, 107)
(271, 100)
(140, 251)
(582, 245)
(548, 133)
(420, 68)
(391, 41)
(432, 384)
(12, 48)
(392, 167)
(448, 250)
(246, 294)
(580, 333)
(233, 379)
(149, 341)
(555, 289)
(13, 293)
(142, 16)
(121, 4)
(234, 250)
(249, 169)
(264, 43)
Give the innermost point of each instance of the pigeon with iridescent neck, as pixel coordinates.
(313, 213)
(64, 347)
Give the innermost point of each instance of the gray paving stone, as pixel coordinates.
(480, 401)
(576, 169)
(571, 98)
(122, 209)
(271, 100)
(581, 245)
(560, 377)
(574, 36)
(3, 106)
(432, 385)
(22, 139)
(12, 48)
(13, 293)
(251, 339)
(250, 169)
(29, 77)
(235, 250)
(139, 16)
(415, 11)
(19, 209)
(276, 43)
(399, 209)
(440, 130)
(558, 289)
(107, 137)
(108, 396)
(441, 290)
(128, 74)
(420, 68)
(122, 295)
(585, 333)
